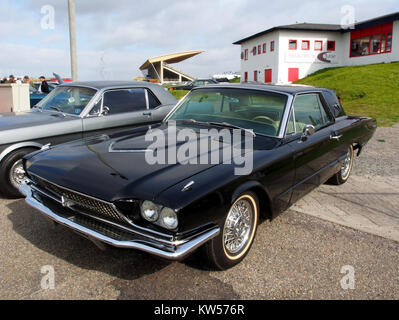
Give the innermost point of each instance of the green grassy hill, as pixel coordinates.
(371, 90)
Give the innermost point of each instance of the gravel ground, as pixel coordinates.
(296, 256)
(381, 155)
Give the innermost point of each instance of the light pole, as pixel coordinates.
(72, 38)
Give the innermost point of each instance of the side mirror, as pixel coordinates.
(308, 131)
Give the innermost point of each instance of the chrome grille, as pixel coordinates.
(80, 202)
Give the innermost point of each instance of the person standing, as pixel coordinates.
(44, 88)
(11, 79)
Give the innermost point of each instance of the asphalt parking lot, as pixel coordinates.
(299, 255)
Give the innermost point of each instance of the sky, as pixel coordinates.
(114, 38)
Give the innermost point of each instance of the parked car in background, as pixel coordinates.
(36, 96)
(193, 84)
(106, 190)
(72, 111)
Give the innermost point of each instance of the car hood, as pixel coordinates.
(19, 120)
(112, 168)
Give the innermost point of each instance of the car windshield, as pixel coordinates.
(71, 100)
(260, 111)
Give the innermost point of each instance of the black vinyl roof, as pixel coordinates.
(326, 27)
(286, 89)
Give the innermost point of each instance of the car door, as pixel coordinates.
(119, 109)
(313, 156)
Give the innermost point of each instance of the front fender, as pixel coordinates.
(13, 147)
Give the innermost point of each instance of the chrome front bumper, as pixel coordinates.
(175, 250)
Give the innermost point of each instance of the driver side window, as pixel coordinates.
(309, 111)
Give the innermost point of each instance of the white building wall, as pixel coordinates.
(307, 61)
(263, 61)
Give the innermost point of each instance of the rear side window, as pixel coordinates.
(334, 104)
(125, 100)
(309, 110)
(152, 101)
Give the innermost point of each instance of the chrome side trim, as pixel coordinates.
(19, 146)
(180, 251)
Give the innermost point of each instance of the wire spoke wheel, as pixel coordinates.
(17, 174)
(347, 166)
(239, 227)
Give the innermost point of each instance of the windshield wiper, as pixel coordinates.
(229, 125)
(38, 107)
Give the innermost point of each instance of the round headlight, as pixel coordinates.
(149, 211)
(169, 219)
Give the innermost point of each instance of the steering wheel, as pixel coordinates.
(265, 119)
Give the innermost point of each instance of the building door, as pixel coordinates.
(256, 76)
(246, 76)
(268, 75)
(293, 74)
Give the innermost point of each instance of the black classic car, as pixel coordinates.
(72, 111)
(106, 189)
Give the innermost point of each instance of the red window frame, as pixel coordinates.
(383, 30)
(246, 54)
(245, 76)
(321, 45)
(254, 50)
(259, 49)
(305, 41)
(272, 46)
(289, 44)
(264, 47)
(331, 42)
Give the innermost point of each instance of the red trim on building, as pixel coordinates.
(259, 49)
(308, 45)
(293, 74)
(330, 45)
(272, 46)
(246, 76)
(268, 75)
(321, 45)
(371, 41)
(264, 47)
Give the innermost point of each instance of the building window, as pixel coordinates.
(256, 76)
(373, 40)
(254, 51)
(272, 46)
(264, 48)
(305, 44)
(246, 54)
(259, 49)
(318, 45)
(330, 45)
(292, 45)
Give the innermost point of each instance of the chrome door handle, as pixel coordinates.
(335, 137)
(147, 114)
